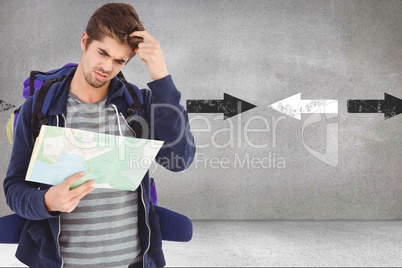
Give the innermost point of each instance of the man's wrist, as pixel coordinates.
(159, 76)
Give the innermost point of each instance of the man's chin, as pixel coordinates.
(97, 84)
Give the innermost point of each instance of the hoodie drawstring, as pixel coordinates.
(118, 118)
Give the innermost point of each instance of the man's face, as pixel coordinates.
(102, 60)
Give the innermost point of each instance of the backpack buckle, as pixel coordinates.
(130, 111)
(44, 121)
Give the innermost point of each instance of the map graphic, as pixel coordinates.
(111, 161)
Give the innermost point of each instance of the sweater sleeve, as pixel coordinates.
(24, 198)
(168, 121)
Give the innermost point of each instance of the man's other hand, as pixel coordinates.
(61, 198)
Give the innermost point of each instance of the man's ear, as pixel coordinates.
(84, 40)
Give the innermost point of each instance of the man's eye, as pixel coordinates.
(102, 53)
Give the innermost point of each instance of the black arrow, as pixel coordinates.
(390, 106)
(229, 106)
(4, 106)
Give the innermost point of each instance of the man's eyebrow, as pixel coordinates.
(104, 52)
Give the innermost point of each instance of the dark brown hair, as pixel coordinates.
(115, 20)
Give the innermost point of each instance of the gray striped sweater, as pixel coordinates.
(102, 231)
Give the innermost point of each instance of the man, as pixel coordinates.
(87, 227)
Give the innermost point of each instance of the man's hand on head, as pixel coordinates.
(150, 52)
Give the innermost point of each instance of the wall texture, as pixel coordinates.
(261, 164)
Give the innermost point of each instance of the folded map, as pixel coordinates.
(114, 162)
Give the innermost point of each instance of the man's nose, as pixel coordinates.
(107, 65)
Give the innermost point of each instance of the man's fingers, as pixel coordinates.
(83, 189)
(71, 206)
(61, 198)
(144, 34)
(78, 193)
(145, 52)
(154, 47)
(148, 51)
(70, 180)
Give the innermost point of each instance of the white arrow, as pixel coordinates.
(295, 106)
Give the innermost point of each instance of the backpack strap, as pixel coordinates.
(138, 107)
(32, 78)
(31, 82)
(135, 108)
(38, 114)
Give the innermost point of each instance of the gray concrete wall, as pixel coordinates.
(261, 164)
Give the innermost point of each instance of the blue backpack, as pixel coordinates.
(42, 81)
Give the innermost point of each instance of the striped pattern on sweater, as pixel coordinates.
(103, 229)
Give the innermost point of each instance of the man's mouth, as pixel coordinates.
(100, 76)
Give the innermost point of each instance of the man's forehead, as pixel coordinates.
(113, 48)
